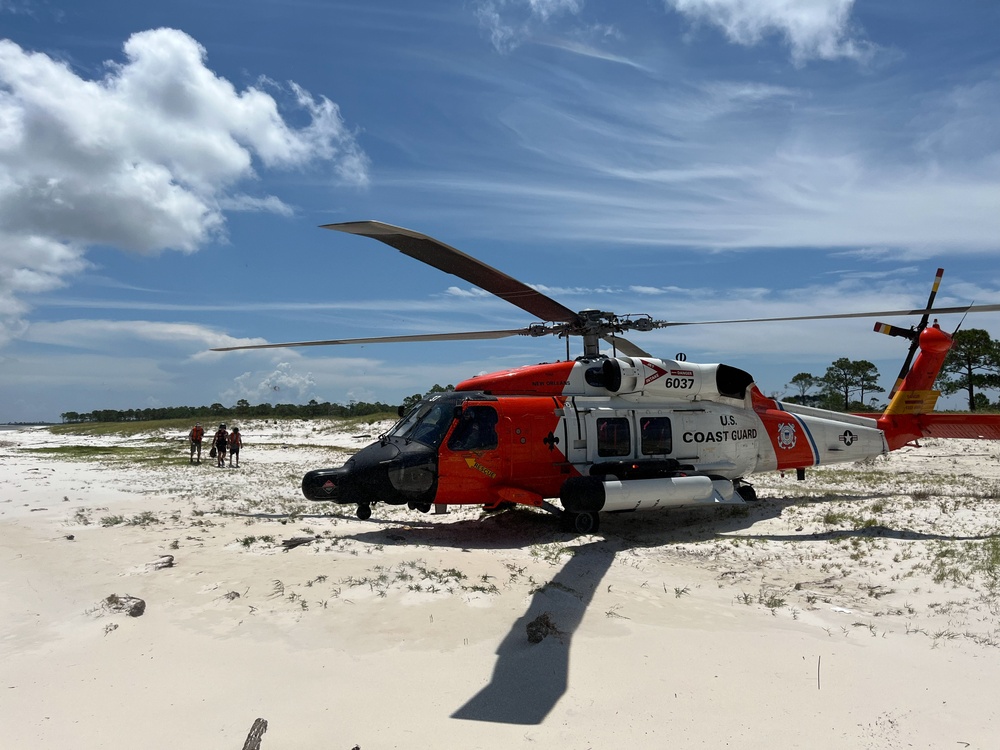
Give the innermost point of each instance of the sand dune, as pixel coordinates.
(856, 609)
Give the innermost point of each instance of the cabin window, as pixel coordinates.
(655, 436)
(613, 437)
(476, 430)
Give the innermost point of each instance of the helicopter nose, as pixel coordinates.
(324, 485)
(380, 473)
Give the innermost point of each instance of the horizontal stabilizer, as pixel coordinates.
(971, 426)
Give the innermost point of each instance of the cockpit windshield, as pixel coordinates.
(426, 423)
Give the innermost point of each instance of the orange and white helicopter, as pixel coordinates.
(628, 432)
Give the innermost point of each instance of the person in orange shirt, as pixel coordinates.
(195, 436)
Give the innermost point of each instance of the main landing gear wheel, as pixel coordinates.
(422, 507)
(748, 493)
(581, 523)
(364, 512)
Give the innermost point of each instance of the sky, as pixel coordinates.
(165, 168)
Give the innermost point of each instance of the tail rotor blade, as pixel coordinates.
(960, 324)
(890, 330)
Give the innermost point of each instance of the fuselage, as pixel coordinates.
(626, 419)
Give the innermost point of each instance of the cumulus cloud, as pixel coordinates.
(282, 385)
(812, 28)
(145, 158)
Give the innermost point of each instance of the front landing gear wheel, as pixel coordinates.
(422, 507)
(582, 523)
(364, 512)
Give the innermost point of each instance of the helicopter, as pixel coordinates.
(621, 433)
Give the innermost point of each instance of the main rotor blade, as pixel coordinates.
(837, 316)
(446, 258)
(463, 336)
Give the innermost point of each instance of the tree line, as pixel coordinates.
(971, 367)
(242, 410)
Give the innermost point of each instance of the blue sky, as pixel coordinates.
(164, 168)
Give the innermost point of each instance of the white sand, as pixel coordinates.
(857, 609)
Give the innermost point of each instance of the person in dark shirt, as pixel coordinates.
(221, 442)
(235, 443)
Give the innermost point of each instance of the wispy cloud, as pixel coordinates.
(589, 50)
(812, 29)
(731, 164)
(509, 23)
(99, 334)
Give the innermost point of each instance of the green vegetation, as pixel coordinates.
(972, 365)
(845, 385)
(151, 452)
(960, 563)
(249, 541)
(416, 576)
(856, 521)
(142, 519)
(410, 401)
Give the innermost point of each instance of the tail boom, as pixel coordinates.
(903, 429)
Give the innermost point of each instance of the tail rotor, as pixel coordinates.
(913, 333)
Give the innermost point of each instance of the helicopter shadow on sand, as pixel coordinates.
(528, 679)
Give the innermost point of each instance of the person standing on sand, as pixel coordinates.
(220, 442)
(195, 436)
(235, 443)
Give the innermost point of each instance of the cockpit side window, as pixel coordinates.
(427, 423)
(476, 430)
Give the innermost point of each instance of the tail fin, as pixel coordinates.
(914, 392)
(908, 416)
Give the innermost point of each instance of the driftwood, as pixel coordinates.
(133, 606)
(256, 732)
(165, 561)
(297, 541)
